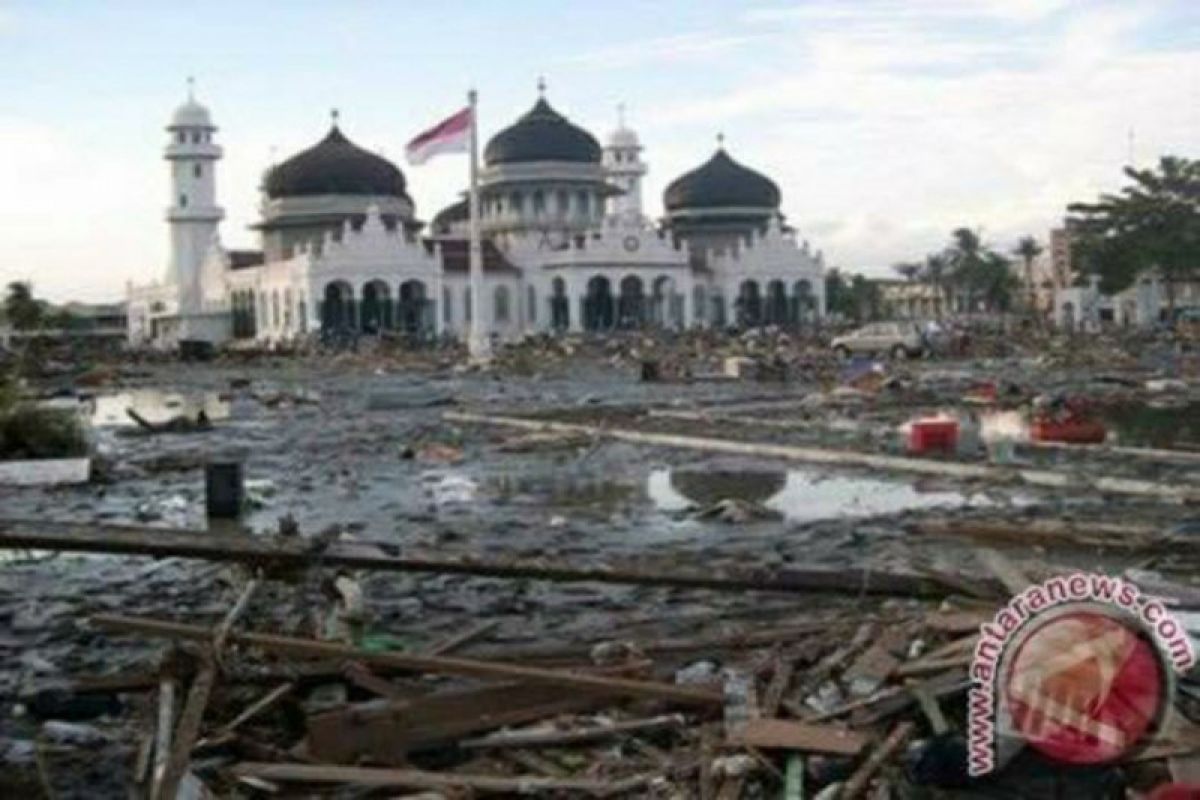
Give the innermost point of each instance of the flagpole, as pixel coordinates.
(478, 344)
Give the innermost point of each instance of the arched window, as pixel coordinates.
(275, 308)
(531, 304)
(584, 203)
(198, 170)
(501, 304)
(302, 315)
(447, 310)
(467, 304)
(181, 137)
(539, 202)
(183, 201)
(287, 308)
(564, 202)
(516, 203)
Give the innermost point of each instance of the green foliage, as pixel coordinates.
(857, 298)
(28, 432)
(21, 310)
(1152, 223)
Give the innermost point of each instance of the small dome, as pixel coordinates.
(451, 215)
(721, 182)
(335, 165)
(542, 135)
(624, 138)
(191, 115)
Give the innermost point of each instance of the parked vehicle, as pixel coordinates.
(895, 339)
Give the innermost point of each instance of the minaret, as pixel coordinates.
(622, 159)
(193, 214)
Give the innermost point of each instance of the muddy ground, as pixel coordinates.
(355, 453)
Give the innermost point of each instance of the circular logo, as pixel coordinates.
(1085, 686)
(632, 243)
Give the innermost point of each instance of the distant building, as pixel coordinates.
(911, 299)
(566, 244)
(1078, 303)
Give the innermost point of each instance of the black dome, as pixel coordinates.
(542, 135)
(335, 165)
(452, 214)
(721, 182)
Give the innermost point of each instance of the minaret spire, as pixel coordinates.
(620, 115)
(191, 84)
(541, 86)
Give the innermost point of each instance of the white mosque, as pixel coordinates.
(566, 244)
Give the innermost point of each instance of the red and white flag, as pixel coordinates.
(451, 135)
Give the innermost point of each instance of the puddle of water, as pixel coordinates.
(156, 406)
(800, 495)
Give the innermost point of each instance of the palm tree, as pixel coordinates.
(1028, 249)
(21, 310)
(965, 259)
(935, 271)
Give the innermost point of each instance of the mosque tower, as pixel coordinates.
(193, 215)
(622, 159)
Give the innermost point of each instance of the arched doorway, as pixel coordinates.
(410, 311)
(560, 306)
(631, 305)
(662, 290)
(1068, 316)
(777, 303)
(598, 305)
(699, 305)
(803, 302)
(337, 309)
(749, 305)
(376, 307)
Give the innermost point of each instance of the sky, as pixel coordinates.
(886, 123)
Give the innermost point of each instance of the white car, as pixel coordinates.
(895, 339)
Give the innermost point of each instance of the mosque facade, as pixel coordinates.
(567, 245)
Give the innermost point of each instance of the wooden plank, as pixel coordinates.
(1004, 569)
(188, 729)
(861, 779)
(785, 668)
(272, 553)
(951, 469)
(876, 664)
(573, 736)
(419, 779)
(778, 734)
(445, 665)
(254, 709)
(452, 643)
(385, 732)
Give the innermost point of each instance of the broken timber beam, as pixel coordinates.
(420, 779)
(273, 553)
(1040, 478)
(308, 648)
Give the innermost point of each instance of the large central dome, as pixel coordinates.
(336, 166)
(542, 135)
(721, 182)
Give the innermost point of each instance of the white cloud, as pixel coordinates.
(882, 145)
(680, 47)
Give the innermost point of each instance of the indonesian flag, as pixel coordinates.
(451, 135)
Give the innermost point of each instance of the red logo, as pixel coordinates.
(1085, 686)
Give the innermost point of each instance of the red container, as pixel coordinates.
(1070, 431)
(933, 436)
